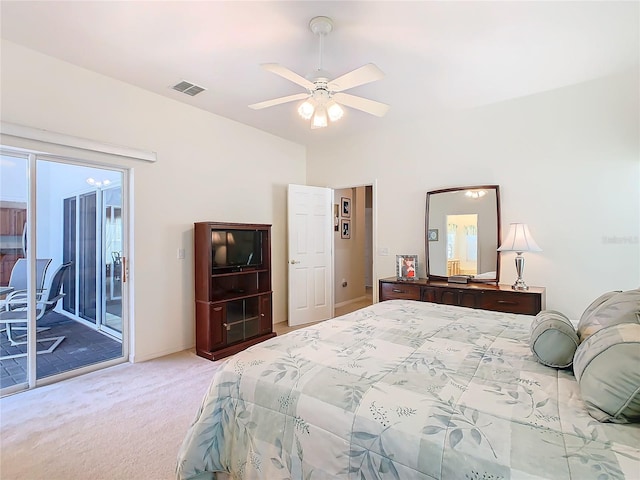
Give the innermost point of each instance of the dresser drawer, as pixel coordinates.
(508, 302)
(497, 298)
(390, 291)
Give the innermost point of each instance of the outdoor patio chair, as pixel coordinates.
(45, 303)
(18, 280)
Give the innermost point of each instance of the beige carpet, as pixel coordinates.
(123, 423)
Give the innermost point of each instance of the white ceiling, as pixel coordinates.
(437, 55)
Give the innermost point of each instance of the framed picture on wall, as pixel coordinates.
(345, 229)
(407, 267)
(336, 217)
(345, 207)
(433, 234)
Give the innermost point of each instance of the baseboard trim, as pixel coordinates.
(349, 302)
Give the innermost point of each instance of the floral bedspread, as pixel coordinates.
(402, 390)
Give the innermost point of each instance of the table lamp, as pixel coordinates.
(519, 240)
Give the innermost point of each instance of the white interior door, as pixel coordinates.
(310, 223)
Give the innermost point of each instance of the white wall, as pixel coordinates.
(208, 168)
(567, 162)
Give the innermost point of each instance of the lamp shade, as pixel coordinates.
(519, 239)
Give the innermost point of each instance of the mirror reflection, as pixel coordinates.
(463, 229)
(462, 244)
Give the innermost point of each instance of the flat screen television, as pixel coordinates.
(236, 248)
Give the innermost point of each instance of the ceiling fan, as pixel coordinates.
(324, 97)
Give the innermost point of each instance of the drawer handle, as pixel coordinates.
(506, 302)
(397, 290)
(217, 309)
(227, 326)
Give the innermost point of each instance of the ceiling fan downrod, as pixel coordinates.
(321, 26)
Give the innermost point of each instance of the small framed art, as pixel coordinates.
(336, 217)
(345, 229)
(432, 234)
(407, 267)
(345, 207)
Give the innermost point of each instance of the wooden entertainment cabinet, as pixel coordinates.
(499, 298)
(233, 301)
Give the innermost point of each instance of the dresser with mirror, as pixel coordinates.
(462, 235)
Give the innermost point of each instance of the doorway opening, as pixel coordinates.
(353, 254)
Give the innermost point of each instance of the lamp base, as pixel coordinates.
(520, 285)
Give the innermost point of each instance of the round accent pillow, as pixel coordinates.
(553, 340)
(606, 366)
(609, 309)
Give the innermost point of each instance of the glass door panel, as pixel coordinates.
(113, 259)
(88, 248)
(14, 195)
(81, 224)
(78, 231)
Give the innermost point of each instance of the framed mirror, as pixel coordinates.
(463, 233)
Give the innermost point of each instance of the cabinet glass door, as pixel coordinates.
(243, 319)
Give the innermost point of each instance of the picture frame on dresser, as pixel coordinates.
(407, 267)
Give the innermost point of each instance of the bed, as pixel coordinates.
(402, 390)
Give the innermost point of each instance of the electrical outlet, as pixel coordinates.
(384, 251)
(181, 254)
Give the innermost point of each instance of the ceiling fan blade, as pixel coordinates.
(278, 101)
(292, 76)
(369, 106)
(365, 74)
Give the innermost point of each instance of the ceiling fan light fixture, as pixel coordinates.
(319, 118)
(325, 100)
(306, 109)
(335, 111)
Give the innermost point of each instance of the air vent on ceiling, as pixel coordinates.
(188, 88)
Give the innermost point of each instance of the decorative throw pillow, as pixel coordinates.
(609, 309)
(596, 303)
(606, 366)
(553, 340)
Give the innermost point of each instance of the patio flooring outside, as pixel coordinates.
(82, 346)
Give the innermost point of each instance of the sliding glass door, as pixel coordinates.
(14, 340)
(75, 218)
(93, 240)
(113, 260)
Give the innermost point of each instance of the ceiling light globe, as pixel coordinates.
(335, 112)
(306, 109)
(320, 118)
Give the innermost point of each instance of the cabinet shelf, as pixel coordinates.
(233, 304)
(239, 272)
(226, 296)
